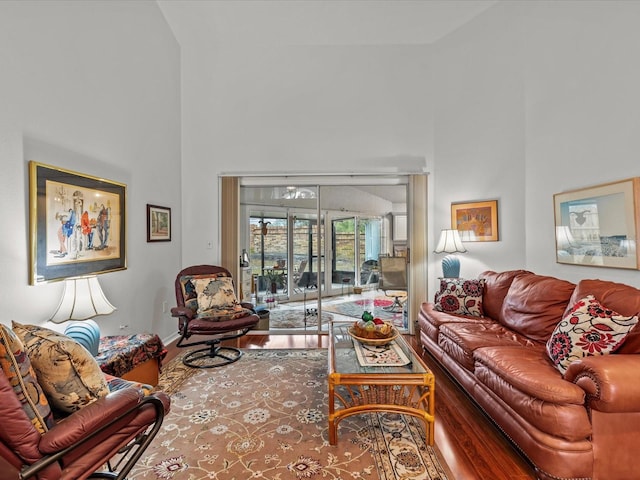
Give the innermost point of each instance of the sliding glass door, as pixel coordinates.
(311, 245)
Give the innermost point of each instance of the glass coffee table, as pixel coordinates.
(353, 388)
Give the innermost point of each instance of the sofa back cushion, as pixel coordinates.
(535, 304)
(622, 298)
(496, 286)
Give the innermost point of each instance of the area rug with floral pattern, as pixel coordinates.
(265, 417)
(296, 318)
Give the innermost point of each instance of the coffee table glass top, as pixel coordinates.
(345, 358)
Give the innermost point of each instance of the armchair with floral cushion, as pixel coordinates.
(207, 307)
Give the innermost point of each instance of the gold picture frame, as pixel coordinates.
(598, 226)
(76, 224)
(476, 221)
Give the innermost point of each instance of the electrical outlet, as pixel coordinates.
(124, 327)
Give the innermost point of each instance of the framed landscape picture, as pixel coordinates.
(598, 226)
(158, 224)
(76, 224)
(476, 221)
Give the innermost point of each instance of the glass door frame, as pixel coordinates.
(416, 210)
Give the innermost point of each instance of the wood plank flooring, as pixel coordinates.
(468, 442)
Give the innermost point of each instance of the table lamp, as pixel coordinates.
(451, 243)
(82, 299)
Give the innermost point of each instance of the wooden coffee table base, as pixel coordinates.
(407, 394)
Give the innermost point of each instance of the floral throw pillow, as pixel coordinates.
(589, 328)
(459, 296)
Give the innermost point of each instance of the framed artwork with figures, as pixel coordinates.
(76, 224)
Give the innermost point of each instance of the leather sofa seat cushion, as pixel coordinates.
(496, 286)
(459, 340)
(431, 319)
(526, 381)
(624, 299)
(535, 304)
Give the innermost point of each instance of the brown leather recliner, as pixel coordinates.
(123, 423)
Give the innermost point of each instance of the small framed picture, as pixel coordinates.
(158, 224)
(476, 221)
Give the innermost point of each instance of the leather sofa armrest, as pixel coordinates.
(248, 305)
(612, 382)
(182, 312)
(90, 418)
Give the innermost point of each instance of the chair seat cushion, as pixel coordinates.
(203, 326)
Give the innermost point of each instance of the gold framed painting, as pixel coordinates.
(476, 221)
(598, 226)
(76, 224)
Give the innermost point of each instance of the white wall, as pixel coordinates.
(535, 98)
(288, 109)
(527, 100)
(93, 87)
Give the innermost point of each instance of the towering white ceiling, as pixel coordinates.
(318, 22)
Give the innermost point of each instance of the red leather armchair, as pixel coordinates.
(120, 425)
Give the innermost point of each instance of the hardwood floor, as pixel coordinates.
(469, 443)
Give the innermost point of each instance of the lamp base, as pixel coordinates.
(86, 333)
(451, 266)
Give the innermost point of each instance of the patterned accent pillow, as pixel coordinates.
(216, 298)
(69, 375)
(188, 283)
(17, 368)
(117, 383)
(589, 328)
(459, 296)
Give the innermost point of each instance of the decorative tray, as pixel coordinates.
(375, 341)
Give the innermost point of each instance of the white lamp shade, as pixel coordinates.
(82, 299)
(450, 242)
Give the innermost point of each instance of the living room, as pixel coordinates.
(516, 101)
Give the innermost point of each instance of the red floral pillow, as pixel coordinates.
(460, 296)
(589, 328)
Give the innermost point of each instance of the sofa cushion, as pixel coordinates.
(496, 286)
(430, 319)
(460, 296)
(622, 298)
(589, 328)
(459, 340)
(529, 384)
(535, 304)
(69, 375)
(17, 368)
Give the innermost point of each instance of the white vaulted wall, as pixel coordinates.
(525, 100)
(93, 87)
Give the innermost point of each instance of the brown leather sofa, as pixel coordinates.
(583, 425)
